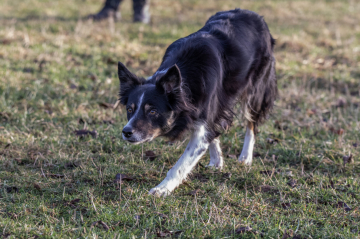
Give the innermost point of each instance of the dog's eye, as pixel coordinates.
(129, 110)
(152, 112)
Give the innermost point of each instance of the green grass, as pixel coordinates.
(55, 69)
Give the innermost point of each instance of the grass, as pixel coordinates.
(56, 68)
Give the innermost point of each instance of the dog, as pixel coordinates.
(200, 80)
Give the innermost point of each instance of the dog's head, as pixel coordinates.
(151, 108)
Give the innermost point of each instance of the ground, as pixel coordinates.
(58, 74)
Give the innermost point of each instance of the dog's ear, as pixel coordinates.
(171, 81)
(128, 81)
(126, 77)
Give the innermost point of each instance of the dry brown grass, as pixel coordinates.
(57, 67)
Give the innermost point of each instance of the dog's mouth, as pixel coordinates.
(135, 141)
(132, 141)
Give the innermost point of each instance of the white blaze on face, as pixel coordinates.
(196, 148)
(136, 136)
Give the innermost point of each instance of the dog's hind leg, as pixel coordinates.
(216, 159)
(247, 151)
(196, 148)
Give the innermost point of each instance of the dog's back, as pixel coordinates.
(229, 60)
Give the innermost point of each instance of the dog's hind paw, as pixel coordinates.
(159, 192)
(215, 166)
(245, 159)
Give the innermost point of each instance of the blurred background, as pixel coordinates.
(317, 43)
(58, 74)
(55, 59)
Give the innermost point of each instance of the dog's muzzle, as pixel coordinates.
(127, 132)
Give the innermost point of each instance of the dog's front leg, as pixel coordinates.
(196, 148)
(247, 151)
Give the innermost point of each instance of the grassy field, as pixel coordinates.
(58, 74)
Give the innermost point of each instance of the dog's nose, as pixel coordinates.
(127, 132)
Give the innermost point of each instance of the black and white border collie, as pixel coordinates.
(200, 80)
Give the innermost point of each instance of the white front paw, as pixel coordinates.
(245, 159)
(159, 191)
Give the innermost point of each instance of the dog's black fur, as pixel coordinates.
(203, 76)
